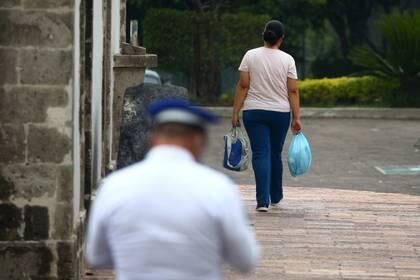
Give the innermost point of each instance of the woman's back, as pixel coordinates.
(268, 69)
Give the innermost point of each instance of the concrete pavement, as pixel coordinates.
(345, 153)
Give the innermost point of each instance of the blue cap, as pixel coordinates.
(176, 110)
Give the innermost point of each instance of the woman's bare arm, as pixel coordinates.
(240, 95)
(292, 88)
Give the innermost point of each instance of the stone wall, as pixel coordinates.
(38, 239)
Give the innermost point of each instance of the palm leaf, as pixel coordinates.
(400, 58)
(373, 61)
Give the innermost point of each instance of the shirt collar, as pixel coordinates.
(169, 153)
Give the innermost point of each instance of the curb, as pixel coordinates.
(343, 113)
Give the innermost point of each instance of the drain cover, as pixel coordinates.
(399, 170)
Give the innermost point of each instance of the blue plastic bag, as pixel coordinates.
(299, 158)
(236, 155)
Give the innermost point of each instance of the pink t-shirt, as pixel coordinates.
(268, 70)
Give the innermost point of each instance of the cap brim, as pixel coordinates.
(160, 106)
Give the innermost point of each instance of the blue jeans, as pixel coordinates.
(267, 131)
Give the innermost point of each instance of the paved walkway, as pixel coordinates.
(319, 233)
(344, 219)
(325, 234)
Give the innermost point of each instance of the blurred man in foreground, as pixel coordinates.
(170, 217)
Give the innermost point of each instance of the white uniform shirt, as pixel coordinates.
(268, 70)
(169, 217)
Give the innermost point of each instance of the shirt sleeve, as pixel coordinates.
(98, 252)
(240, 247)
(244, 66)
(292, 72)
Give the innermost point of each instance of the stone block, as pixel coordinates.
(63, 218)
(80, 230)
(7, 188)
(37, 223)
(51, 67)
(47, 4)
(79, 250)
(135, 61)
(65, 184)
(47, 145)
(128, 49)
(66, 259)
(25, 260)
(12, 143)
(34, 100)
(8, 64)
(30, 181)
(10, 222)
(133, 143)
(36, 28)
(9, 3)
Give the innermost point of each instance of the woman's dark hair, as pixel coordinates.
(273, 31)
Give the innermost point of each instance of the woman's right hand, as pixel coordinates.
(235, 119)
(296, 126)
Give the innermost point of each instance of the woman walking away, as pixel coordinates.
(267, 91)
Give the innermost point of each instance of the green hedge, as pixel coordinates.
(347, 91)
(365, 90)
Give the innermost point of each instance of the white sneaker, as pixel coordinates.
(275, 204)
(262, 209)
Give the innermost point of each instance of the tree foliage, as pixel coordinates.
(169, 33)
(400, 58)
(201, 44)
(350, 19)
(201, 38)
(238, 38)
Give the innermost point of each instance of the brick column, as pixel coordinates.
(37, 233)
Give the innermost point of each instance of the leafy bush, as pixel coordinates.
(366, 90)
(347, 91)
(226, 99)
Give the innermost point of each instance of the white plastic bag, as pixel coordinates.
(236, 155)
